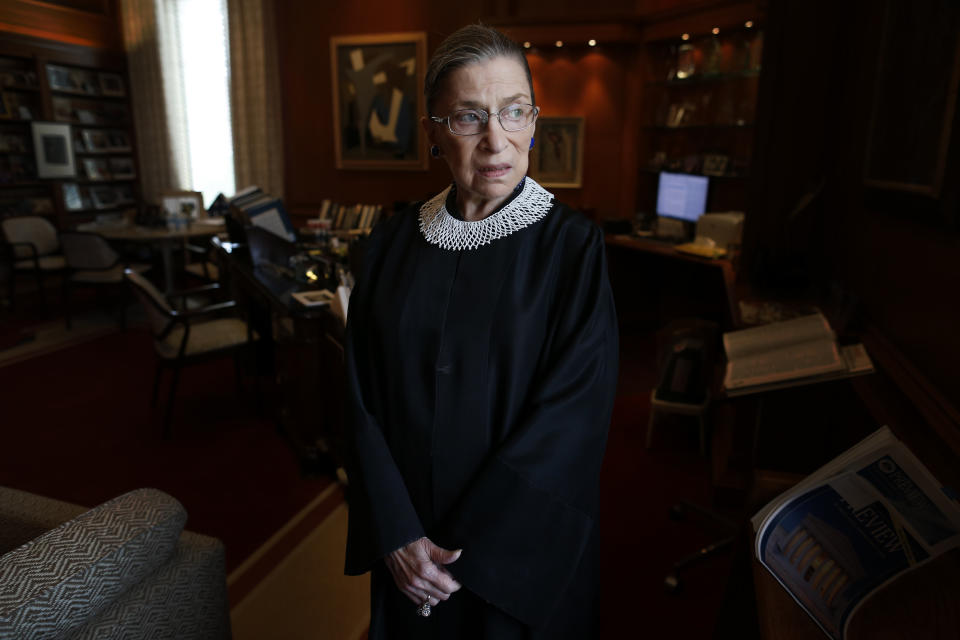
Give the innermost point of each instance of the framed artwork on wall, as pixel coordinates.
(53, 146)
(556, 159)
(378, 100)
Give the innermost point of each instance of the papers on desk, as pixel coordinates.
(854, 525)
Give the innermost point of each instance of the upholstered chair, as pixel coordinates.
(92, 262)
(34, 249)
(181, 337)
(124, 569)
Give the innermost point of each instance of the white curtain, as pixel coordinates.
(178, 58)
(255, 95)
(150, 39)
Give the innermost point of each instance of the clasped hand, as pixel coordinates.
(418, 571)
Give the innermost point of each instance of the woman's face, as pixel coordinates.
(486, 166)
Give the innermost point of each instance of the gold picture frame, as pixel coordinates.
(556, 159)
(378, 100)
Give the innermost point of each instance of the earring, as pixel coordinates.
(531, 142)
(435, 151)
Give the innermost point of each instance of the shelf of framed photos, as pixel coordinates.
(706, 78)
(101, 142)
(81, 197)
(88, 83)
(28, 198)
(91, 112)
(17, 74)
(99, 169)
(17, 106)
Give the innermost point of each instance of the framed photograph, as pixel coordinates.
(122, 168)
(111, 84)
(556, 159)
(117, 140)
(96, 141)
(378, 101)
(183, 204)
(104, 197)
(71, 196)
(96, 169)
(715, 164)
(59, 78)
(53, 147)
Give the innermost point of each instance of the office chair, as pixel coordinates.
(33, 248)
(181, 338)
(686, 355)
(92, 262)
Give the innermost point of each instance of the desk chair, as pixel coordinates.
(91, 262)
(686, 353)
(181, 338)
(34, 251)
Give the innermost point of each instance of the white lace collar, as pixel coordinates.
(447, 232)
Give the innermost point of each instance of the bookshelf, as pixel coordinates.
(86, 89)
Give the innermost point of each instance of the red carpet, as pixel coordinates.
(78, 427)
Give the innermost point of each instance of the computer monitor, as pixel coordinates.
(682, 196)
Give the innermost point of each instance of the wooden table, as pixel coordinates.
(162, 238)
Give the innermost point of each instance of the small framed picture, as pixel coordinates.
(182, 204)
(715, 164)
(104, 197)
(53, 147)
(111, 84)
(117, 140)
(96, 169)
(71, 196)
(313, 298)
(556, 159)
(122, 168)
(95, 141)
(59, 78)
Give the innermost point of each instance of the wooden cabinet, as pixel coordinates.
(87, 90)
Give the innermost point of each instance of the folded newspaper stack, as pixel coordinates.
(854, 525)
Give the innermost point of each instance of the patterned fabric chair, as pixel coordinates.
(34, 245)
(93, 263)
(125, 569)
(183, 337)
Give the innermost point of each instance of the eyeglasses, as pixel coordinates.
(470, 122)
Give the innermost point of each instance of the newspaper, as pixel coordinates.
(853, 526)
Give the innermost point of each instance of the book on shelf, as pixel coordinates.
(854, 525)
(789, 353)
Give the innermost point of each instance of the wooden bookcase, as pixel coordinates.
(699, 105)
(87, 89)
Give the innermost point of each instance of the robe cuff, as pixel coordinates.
(521, 545)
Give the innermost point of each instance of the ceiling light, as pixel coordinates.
(526, 45)
(559, 43)
(592, 42)
(715, 30)
(685, 36)
(748, 24)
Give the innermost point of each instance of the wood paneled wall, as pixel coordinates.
(91, 23)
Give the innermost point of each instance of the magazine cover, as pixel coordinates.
(834, 543)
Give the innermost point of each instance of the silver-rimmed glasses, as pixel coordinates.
(470, 122)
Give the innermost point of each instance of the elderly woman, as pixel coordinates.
(482, 365)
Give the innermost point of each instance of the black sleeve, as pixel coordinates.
(525, 519)
(382, 517)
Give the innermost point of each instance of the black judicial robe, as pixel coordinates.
(481, 384)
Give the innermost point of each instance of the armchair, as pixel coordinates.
(181, 338)
(33, 249)
(125, 569)
(92, 262)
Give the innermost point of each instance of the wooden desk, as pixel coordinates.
(305, 352)
(164, 239)
(718, 274)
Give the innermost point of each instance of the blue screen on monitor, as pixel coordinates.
(682, 196)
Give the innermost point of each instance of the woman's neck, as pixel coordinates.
(473, 209)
